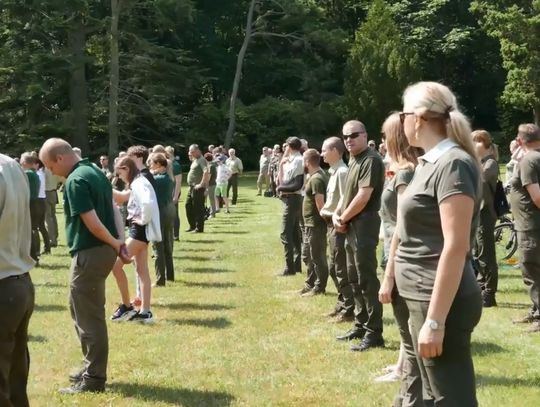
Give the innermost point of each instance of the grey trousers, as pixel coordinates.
(484, 253)
(291, 236)
(361, 247)
(338, 271)
(51, 200)
(89, 270)
(164, 250)
(449, 378)
(316, 251)
(16, 307)
(529, 258)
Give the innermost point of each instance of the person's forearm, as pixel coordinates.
(389, 271)
(121, 197)
(205, 179)
(355, 207)
(177, 187)
(94, 225)
(118, 222)
(447, 280)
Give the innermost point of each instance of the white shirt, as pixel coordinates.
(293, 167)
(223, 174)
(142, 205)
(335, 188)
(42, 179)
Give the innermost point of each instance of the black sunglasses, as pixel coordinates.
(402, 116)
(352, 135)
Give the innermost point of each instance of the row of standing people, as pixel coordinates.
(432, 203)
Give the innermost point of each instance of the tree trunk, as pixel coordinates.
(238, 76)
(114, 80)
(536, 112)
(78, 95)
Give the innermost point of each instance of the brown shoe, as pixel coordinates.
(535, 327)
(343, 318)
(304, 290)
(333, 314)
(527, 319)
(313, 293)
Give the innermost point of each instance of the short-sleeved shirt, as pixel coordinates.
(223, 174)
(177, 168)
(198, 167)
(444, 171)
(366, 169)
(490, 175)
(235, 164)
(213, 174)
(293, 167)
(389, 197)
(335, 187)
(316, 184)
(164, 188)
(264, 163)
(526, 213)
(86, 189)
(34, 182)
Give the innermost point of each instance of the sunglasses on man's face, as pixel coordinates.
(351, 136)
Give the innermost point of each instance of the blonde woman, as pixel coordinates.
(431, 251)
(403, 159)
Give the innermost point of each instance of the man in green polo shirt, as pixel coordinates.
(197, 180)
(358, 214)
(525, 202)
(29, 164)
(315, 225)
(92, 237)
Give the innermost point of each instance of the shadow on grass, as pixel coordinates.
(512, 305)
(173, 395)
(514, 274)
(205, 241)
(209, 285)
(214, 323)
(519, 290)
(37, 338)
(49, 308)
(194, 306)
(487, 380)
(230, 232)
(191, 258)
(206, 270)
(50, 285)
(486, 348)
(59, 267)
(182, 249)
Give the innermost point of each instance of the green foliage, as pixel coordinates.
(517, 28)
(379, 67)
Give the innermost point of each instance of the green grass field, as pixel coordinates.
(231, 333)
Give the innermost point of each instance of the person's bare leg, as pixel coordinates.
(120, 275)
(144, 276)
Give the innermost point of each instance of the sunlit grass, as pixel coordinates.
(231, 333)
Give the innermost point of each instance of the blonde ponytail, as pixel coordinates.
(458, 129)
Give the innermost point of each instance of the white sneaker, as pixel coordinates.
(387, 378)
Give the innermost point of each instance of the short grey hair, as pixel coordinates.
(529, 132)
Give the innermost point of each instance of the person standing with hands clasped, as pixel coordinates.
(92, 235)
(437, 219)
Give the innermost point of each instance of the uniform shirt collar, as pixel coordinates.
(433, 155)
(335, 167)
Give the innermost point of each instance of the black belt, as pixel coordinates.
(17, 277)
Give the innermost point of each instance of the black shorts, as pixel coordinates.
(137, 232)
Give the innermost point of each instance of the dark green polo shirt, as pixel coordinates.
(389, 197)
(164, 188)
(526, 213)
(365, 170)
(86, 189)
(490, 175)
(196, 170)
(419, 227)
(34, 182)
(316, 184)
(176, 168)
(213, 174)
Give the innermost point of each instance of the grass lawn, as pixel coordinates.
(231, 333)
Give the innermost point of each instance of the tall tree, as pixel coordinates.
(114, 77)
(516, 25)
(378, 69)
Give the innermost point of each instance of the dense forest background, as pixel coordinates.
(106, 74)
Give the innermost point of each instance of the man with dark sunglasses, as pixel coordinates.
(357, 215)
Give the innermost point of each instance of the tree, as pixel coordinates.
(517, 28)
(378, 69)
(114, 79)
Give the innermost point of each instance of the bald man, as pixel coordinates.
(92, 238)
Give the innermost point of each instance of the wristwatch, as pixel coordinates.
(434, 325)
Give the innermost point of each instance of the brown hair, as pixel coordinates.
(159, 158)
(138, 151)
(482, 136)
(312, 157)
(397, 145)
(128, 164)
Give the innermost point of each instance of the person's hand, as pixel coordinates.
(336, 221)
(385, 292)
(430, 342)
(121, 250)
(175, 200)
(198, 186)
(341, 229)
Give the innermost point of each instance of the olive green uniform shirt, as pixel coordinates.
(34, 182)
(527, 172)
(444, 171)
(365, 170)
(389, 198)
(198, 167)
(177, 169)
(86, 189)
(316, 184)
(490, 175)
